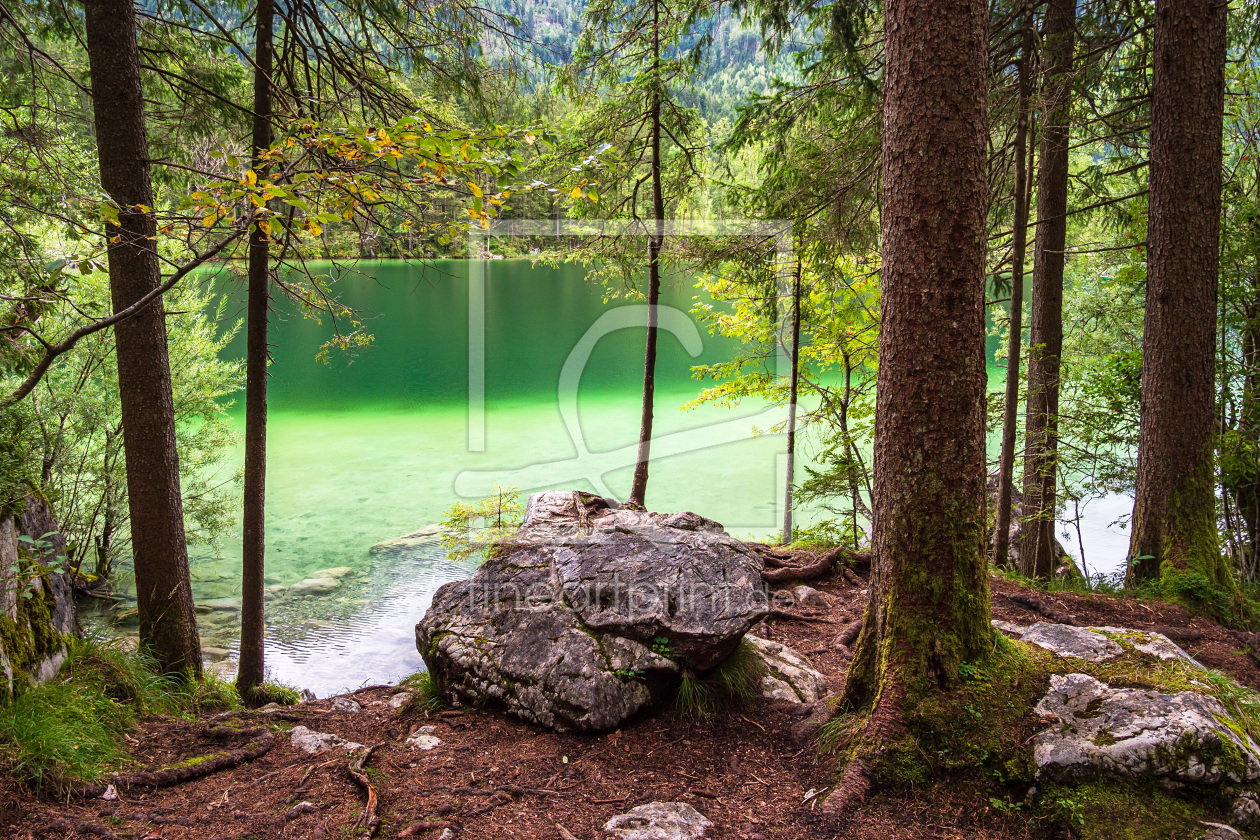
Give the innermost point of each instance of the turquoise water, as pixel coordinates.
(377, 445)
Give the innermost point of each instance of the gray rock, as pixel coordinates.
(309, 741)
(1129, 733)
(1097, 644)
(658, 821)
(589, 610)
(400, 699)
(346, 704)
(1078, 642)
(1219, 831)
(789, 676)
(314, 586)
(1246, 811)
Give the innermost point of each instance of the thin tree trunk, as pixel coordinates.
(1037, 550)
(928, 608)
(792, 391)
(168, 626)
(1006, 467)
(638, 490)
(253, 543)
(1174, 511)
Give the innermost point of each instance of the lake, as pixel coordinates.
(538, 389)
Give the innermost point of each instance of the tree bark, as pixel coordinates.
(638, 489)
(168, 626)
(1006, 466)
(250, 670)
(1174, 511)
(1038, 547)
(792, 393)
(929, 600)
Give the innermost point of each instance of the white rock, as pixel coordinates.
(346, 704)
(658, 821)
(1015, 631)
(110, 794)
(1129, 733)
(312, 742)
(424, 739)
(400, 699)
(788, 675)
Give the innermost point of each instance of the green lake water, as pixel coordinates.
(368, 448)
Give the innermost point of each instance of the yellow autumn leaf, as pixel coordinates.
(577, 192)
(315, 230)
(251, 177)
(476, 190)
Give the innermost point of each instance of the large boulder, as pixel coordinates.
(589, 613)
(1101, 731)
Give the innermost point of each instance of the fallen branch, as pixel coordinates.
(368, 821)
(189, 772)
(424, 825)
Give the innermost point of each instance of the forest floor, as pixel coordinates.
(753, 773)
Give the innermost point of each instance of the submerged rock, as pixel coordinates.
(788, 675)
(314, 586)
(658, 821)
(584, 616)
(1132, 733)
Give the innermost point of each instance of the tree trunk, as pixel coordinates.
(792, 391)
(168, 626)
(253, 543)
(1038, 547)
(638, 490)
(1006, 467)
(1174, 511)
(928, 608)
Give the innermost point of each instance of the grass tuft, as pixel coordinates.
(734, 684)
(425, 695)
(69, 730)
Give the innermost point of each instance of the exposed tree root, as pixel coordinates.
(815, 568)
(886, 725)
(368, 821)
(1040, 607)
(849, 634)
(189, 772)
(788, 615)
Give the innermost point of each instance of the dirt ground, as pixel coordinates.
(754, 774)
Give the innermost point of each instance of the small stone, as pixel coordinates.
(424, 739)
(307, 695)
(309, 741)
(808, 596)
(110, 794)
(346, 704)
(658, 821)
(400, 699)
(1219, 831)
